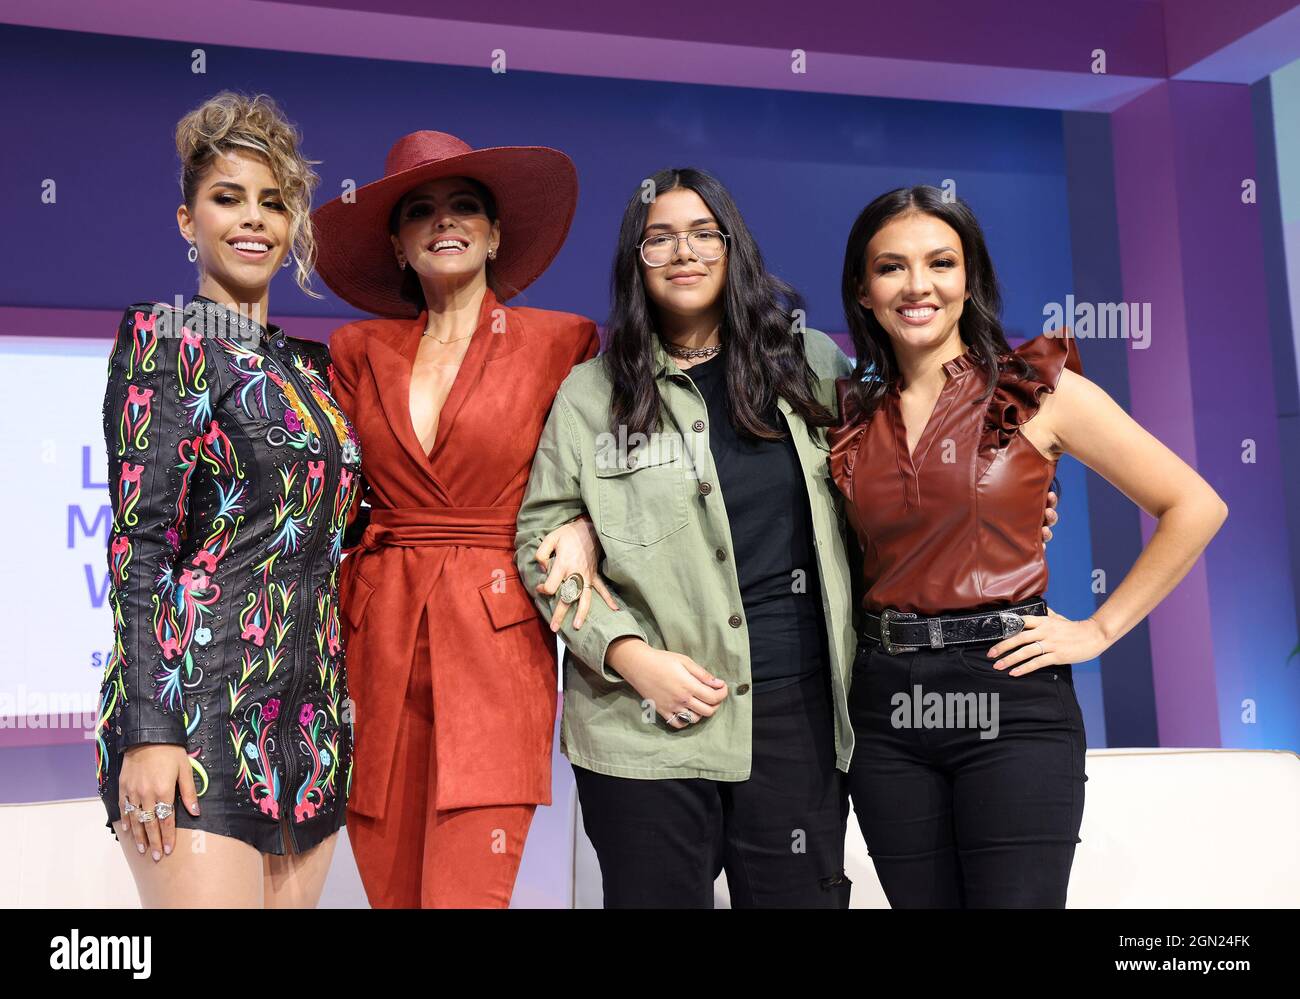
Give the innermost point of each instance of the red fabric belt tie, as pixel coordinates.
(431, 527)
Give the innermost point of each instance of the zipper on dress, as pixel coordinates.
(305, 591)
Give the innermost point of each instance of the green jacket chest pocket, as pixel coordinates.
(644, 501)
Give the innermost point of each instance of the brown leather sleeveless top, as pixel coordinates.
(958, 525)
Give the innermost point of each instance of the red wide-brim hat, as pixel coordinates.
(536, 191)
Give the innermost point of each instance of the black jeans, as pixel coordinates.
(954, 819)
(779, 835)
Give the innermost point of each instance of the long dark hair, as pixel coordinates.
(980, 325)
(764, 354)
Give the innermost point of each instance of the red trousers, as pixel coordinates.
(417, 857)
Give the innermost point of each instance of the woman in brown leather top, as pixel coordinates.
(968, 770)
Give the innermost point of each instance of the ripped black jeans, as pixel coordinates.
(779, 835)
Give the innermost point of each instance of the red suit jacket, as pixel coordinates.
(440, 542)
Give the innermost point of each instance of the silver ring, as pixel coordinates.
(572, 587)
(128, 808)
(1041, 650)
(688, 717)
(163, 811)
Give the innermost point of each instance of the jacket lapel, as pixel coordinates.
(809, 442)
(498, 332)
(390, 353)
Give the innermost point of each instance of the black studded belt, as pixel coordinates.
(899, 631)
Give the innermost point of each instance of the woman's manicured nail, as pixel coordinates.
(156, 856)
(140, 847)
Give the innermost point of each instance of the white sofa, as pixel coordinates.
(1162, 828)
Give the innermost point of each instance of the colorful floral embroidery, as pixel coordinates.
(208, 644)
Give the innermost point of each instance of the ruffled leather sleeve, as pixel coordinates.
(1015, 400)
(845, 437)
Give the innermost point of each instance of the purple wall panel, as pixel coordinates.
(1147, 200)
(1231, 361)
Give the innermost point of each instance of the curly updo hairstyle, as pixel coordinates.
(232, 121)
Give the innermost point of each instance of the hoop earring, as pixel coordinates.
(193, 252)
(288, 260)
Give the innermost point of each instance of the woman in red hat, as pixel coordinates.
(453, 674)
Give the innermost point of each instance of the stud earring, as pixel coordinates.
(492, 253)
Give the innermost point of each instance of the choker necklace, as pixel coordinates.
(230, 321)
(690, 353)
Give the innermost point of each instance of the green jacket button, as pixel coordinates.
(697, 426)
(734, 620)
(705, 489)
(743, 689)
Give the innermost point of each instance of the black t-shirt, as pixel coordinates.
(772, 542)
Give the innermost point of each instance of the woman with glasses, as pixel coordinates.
(706, 721)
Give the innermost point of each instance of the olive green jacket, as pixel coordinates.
(668, 562)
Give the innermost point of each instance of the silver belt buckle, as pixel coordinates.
(1012, 623)
(887, 615)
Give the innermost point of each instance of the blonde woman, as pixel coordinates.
(224, 743)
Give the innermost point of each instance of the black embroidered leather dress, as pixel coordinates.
(231, 472)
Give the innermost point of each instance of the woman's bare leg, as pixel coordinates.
(296, 880)
(204, 870)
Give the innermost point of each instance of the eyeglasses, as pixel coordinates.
(707, 244)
